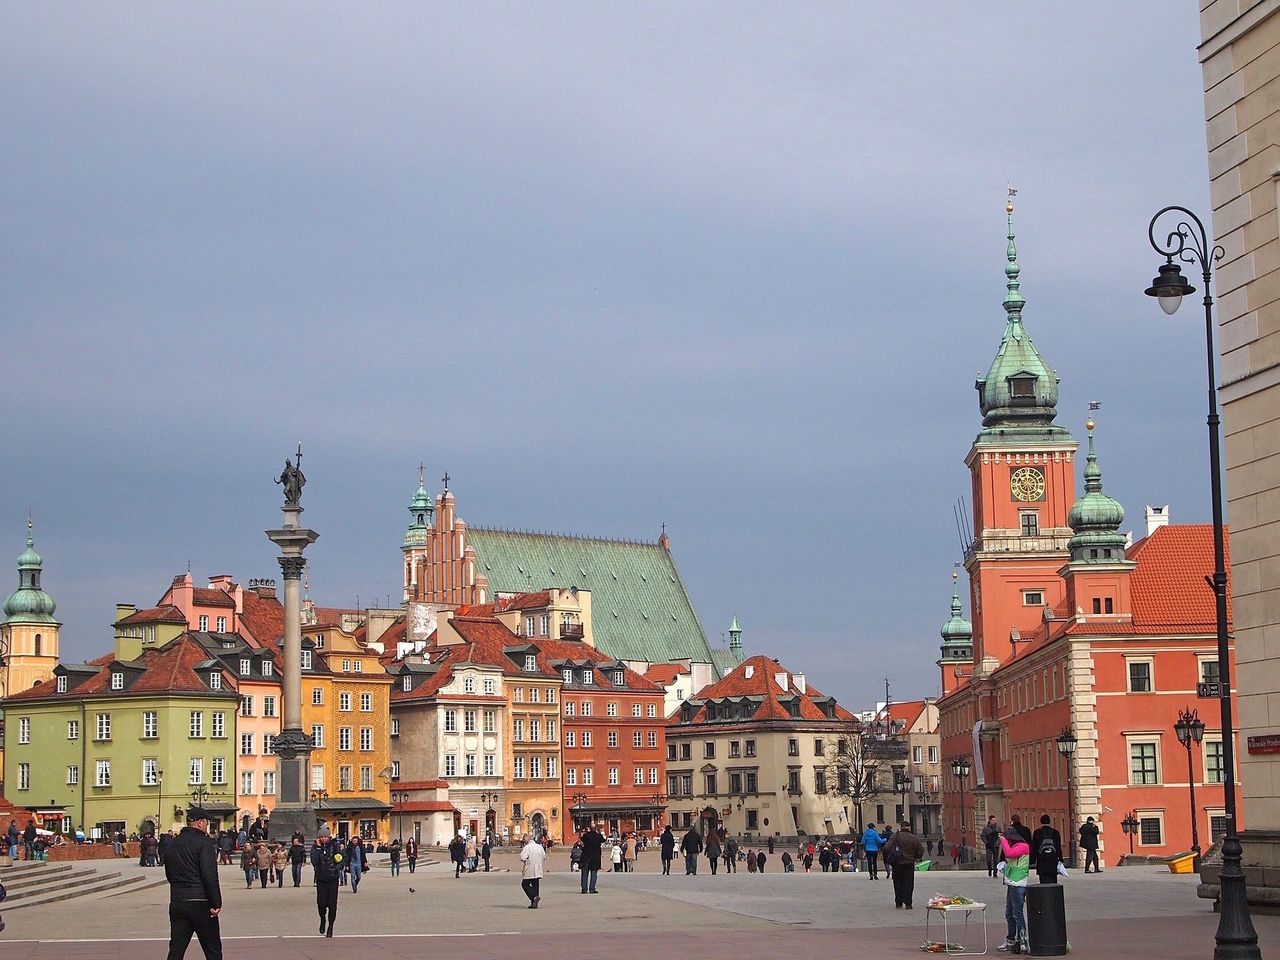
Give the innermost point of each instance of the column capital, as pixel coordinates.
(292, 567)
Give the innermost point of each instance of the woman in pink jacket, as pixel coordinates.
(1017, 864)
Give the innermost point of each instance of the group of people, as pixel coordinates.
(265, 861)
(24, 839)
(466, 854)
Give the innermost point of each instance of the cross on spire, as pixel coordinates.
(445, 479)
(422, 473)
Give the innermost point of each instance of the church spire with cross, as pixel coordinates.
(421, 509)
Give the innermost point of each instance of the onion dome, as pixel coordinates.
(957, 633)
(421, 510)
(1019, 394)
(1095, 518)
(29, 604)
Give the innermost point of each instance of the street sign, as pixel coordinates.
(1209, 691)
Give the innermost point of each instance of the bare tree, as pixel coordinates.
(861, 757)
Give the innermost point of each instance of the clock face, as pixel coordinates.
(1027, 484)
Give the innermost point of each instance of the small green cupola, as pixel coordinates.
(29, 604)
(1095, 518)
(735, 638)
(957, 633)
(421, 510)
(1019, 395)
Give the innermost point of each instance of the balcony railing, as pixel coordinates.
(571, 631)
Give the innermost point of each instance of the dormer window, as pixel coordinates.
(619, 678)
(306, 659)
(407, 683)
(62, 684)
(1022, 387)
(246, 666)
(215, 680)
(588, 676)
(530, 662)
(268, 668)
(567, 674)
(117, 680)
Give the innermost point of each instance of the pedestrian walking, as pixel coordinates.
(29, 840)
(327, 862)
(901, 854)
(1046, 851)
(788, 865)
(751, 860)
(279, 860)
(262, 860)
(297, 857)
(1017, 864)
(195, 899)
(666, 848)
(615, 857)
(249, 864)
(394, 850)
(991, 840)
(627, 855)
(357, 861)
(712, 851)
(411, 854)
(12, 836)
(871, 843)
(470, 854)
(1024, 831)
(458, 853)
(760, 859)
(691, 846)
(1089, 844)
(731, 855)
(486, 850)
(592, 841)
(533, 855)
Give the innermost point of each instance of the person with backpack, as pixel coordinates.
(1046, 851)
(327, 861)
(1016, 865)
(871, 844)
(730, 855)
(991, 840)
(901, 854)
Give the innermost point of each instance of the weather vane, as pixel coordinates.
(1013, 192)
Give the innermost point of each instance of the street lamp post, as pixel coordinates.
(1236, 938)
(489, 798)
(1190, 731)
(1130, 826)
(399, 798)
(660, 801)
(960, 769)
(1067, 747)
(579, 803)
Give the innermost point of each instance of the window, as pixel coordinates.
(317, 696)
(611, 709)
(586, 708)
(1143, 768)
(671, 751)
(469, 685)
(544, 625)
(24, 729)
(73, 729)
(195, 772)
(1140, 676)
(469, 721)
(102, 773)
(753, 820)
(306, 659)
(219, 725)
(917, 754)
(246, 706)
(793, 747)
(269, 783)
(395, 726)
(62, 685)
(569, 708)
(613, 776)
(73, 775)
(366, 739)
(613, 738)
(637, 738)
(1209, 672)
(219, 771)
(638, 778)
(344, 702)
(317, 776)
(551, 730)
(709, 750)
(535, 730)
(1150, 831)
(246, 668)
(635, 710)
(268, 744)
(344, 778)
(1214, 770)
(651, 711)
(735, 749)
(246, 783)
(1030, 523)
(490, 765)
(535, 768)
(24, 776)
(407, 682)
(586, 738)
(570, 738)
(491, 687)
(359, 665)
(117, 680)
(268, 706)
(346, 666)
(710, 784)
(317, 736)
(490, 721)
(395, 769)
(735, 783)
(204, 624)
(344, 738)
(222, 624)
(571, 776)
(588, 677)
(619, 678)
(933, 754)
(268, 669)
(587, 776)
(518, 768)
(450, 765)
(530, 663)
(820, 781)
(451, 721)
(246, 748)
(1033, 598)
(749, 748)
(535, 694)
(653, 776)
(818, 748)
(517, 731)
(752, 784)
(366, 777)
(195, 725)
(1217, 827)
(686, 751)
(517, 695)
(793, 785)
(529, 623)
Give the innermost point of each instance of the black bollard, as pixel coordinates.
(1046, 920)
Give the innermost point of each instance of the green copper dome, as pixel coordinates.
(421, 510)
(1095, 518)
(29, 604)
(957, 633)
(1019, 394)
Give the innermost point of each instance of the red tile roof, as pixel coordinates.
(577, 650)
(163, 614)
(212, 597)
(762, 682)
(262, 621)
(665, 673)
(906, 712)
(525, 601)
(426, 806)
(1168, 586)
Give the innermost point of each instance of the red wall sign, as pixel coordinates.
(1267, 743)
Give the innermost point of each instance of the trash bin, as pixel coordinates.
(1046, 920)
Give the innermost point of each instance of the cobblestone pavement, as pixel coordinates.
(1130, 912)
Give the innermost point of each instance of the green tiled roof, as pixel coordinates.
(640, 610)
(724, 660)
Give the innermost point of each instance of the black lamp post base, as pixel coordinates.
(1236, 938)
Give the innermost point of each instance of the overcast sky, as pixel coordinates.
(732, 267)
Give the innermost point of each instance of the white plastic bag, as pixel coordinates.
(1062, 871)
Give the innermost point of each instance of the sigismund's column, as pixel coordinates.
(293, 812)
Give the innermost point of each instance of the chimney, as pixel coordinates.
(1157, 517)
(798, 680)
(781, 679)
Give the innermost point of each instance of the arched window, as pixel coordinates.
(37, 644)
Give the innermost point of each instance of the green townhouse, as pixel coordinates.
(120, 744)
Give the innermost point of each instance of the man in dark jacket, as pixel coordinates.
(991, 840)
(297, 857)
(901, 854)
(327, 861)
(592, 841)
(691, 846)
(29, 839)
(667, 847)
(195, 900)
(1022, 829)
(1046, 851)
(1089, 844)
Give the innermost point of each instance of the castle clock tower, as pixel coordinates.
(1023, 489)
